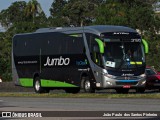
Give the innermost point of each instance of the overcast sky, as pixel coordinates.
(45, 4)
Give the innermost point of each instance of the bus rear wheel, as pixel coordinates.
(37, 86)
(87, 87)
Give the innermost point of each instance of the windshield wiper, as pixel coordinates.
(123, 58)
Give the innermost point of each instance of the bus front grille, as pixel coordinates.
(128, 77)
(126, 83)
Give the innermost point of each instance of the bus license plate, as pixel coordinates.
(127, 86)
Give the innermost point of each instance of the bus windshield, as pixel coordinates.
(123, 54)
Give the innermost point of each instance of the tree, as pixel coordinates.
(13, 14)
(71, 12)
(111, 13)
(5, 56)
(57, 8)
(33, 9)
(137, 14)
(80, 12)
(57, 18)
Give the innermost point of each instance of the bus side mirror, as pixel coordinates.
(100, 45)
(145, 44)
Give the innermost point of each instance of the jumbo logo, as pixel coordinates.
(57, 61)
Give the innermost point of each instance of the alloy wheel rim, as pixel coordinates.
(87, 85)
(37, 85)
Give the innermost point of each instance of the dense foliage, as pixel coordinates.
(22, 17)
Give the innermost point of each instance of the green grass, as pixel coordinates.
(82, 95)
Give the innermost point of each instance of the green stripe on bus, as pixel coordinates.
(75, 35)
(28, 82)
(53, 83)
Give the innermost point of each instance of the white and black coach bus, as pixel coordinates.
(71, 58)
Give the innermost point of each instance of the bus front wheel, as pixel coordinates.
(87, 86)
(37, 86)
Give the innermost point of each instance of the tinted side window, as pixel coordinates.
(75, 44)
(96, 57)
(60, 44)
(52, 43)
(49, 43)
(26, 45)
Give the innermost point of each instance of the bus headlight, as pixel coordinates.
(143, 75)
(143, 82)
(109, 83)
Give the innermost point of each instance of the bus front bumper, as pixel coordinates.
(111, 83)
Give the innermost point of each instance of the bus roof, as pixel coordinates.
(97, 29)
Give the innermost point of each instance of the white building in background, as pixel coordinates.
(2, 29)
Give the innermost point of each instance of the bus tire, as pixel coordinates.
(37, 86)
(87, 87)
(72, 90)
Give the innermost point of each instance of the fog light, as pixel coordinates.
(109, 83)
(98, 84)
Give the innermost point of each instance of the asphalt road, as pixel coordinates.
(23, 104)
(77, 104)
